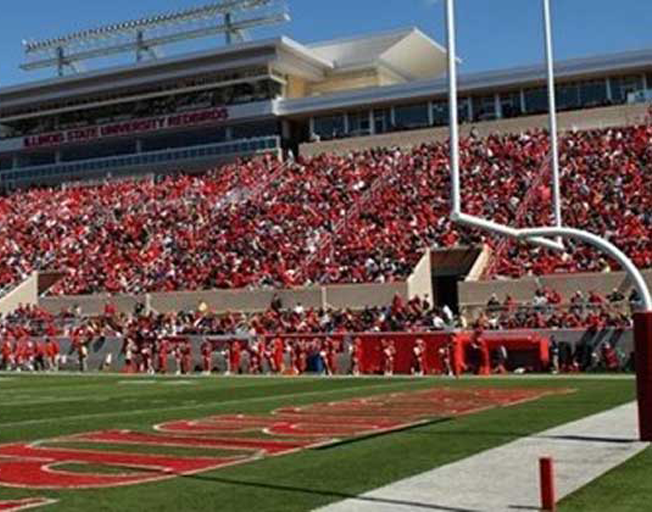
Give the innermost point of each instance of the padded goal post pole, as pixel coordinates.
(643, 358)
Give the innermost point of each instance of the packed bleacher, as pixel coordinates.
(365, 217)
(606, 189)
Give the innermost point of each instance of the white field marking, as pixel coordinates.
(138, 382)
(50, 400)
(20, 393)
(28, 503)
(179, 383)
(200, 406)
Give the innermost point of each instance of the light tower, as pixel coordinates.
(146, 36)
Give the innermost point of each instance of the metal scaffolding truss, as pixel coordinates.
(145, 36)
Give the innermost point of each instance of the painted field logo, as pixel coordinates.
(15, 505)
(113, 458)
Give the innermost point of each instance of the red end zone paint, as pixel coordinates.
(33, 467)
(259, 446)
(283, 431)
(15, 505)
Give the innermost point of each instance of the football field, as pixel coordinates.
(109, 442)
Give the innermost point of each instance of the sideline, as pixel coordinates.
(505, 478)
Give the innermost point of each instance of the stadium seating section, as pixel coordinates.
(364, 217)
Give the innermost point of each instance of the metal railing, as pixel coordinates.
(105, 166)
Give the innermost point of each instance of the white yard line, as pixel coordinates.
(506, 478)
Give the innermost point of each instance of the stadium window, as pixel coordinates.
(567, 96)
(622, 86)
(329, 127)
(648, 78)
(536, 100)
(34, 159)
(411, 116)
(249, 131)
(440, 113)
(382, 120)
(359, 123)
(463, 110)
(593, 93)
(484, 108)
(510, 104)
(6, 163)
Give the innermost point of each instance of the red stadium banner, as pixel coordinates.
(125, 128)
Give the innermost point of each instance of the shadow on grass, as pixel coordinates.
(328, 494)
(514, 436)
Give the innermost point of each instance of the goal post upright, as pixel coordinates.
(457, 214)
(542, 236)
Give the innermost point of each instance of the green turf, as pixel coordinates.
(39, 407)
(627, 488)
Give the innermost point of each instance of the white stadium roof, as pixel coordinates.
(409, 52)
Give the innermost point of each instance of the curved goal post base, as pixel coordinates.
(643, 358)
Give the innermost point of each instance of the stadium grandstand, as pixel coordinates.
(317, 175)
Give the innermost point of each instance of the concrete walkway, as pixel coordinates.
(506, 478)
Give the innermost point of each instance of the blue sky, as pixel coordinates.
(492, 33)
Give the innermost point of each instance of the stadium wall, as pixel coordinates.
(475, 294)
(419, 284)
(25, 293)
(621, 115)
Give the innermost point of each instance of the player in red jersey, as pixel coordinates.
(39, 356)
(356, 356)
(419, 358)
(268, 356)
(178, 357)
(186, 357)
(19, 355)
(162, 356)
(206, 356)
(255, 358)
(29, 354)
(6, 355)
(446, 359)
(235, 357)
(389, 353)
(147, 354)
(299, 357)
(129, 350)
(52, 354)
(278, 346)
(331, 355)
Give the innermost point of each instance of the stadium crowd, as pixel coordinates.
(29, 337)
(606, 190)
(546, 311)
(263, 224)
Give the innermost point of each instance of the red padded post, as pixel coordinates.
(643, 358)
(547, 482)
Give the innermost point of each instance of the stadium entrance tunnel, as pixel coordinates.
(450, 266)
